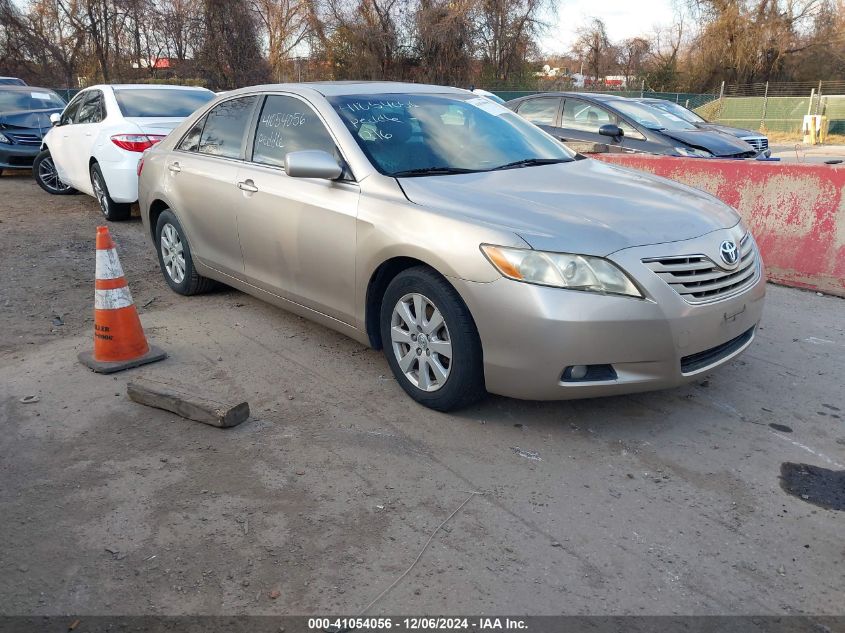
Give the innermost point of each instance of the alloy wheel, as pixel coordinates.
(100, 194)
(421, 342)
(50, 177)
(172, 253)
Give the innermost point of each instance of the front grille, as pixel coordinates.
(757, 142)
(24, 139)
(708, 357)
(20, 161)
(699, 280)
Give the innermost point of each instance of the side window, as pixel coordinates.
(287, 125)
(92, 109)
(69, 114)
(225, 128)
(630, 130)
(580, 115)
(191, 141)
(540, 111)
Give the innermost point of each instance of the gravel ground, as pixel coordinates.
(656, 503)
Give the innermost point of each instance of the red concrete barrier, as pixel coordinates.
(795, 211)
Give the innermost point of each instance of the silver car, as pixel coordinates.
(480, 253)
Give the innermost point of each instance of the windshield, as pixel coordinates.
(678, 110)
(28, 100)
(160, 102)
(443, 133)
(651, 117)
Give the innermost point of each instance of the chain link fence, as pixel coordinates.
(778, 107)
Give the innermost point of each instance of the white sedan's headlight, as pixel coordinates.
(693, 152)
(561, 270)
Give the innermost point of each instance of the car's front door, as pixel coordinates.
(63, 141)
(581, 121)
(203, 180)
(79, 138)
(297, 234)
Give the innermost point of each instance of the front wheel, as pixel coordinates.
(174, 257)
(431, 342)
(45, 174)
(113, 211)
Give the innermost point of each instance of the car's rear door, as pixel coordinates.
(298, 235)
(202, 174)
(543, 112)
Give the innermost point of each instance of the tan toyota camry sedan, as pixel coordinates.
(480, 253)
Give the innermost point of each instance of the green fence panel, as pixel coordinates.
(834, 110)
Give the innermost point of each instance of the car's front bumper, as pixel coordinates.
(17, 156)
(530, 334)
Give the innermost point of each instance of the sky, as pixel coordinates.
(623, 18)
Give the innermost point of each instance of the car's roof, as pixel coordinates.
(339, 88)
(144, 86)
(594, 96)
(19, 88)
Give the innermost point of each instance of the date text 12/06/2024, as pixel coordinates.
(416, 624)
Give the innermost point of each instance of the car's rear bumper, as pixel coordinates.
(531, 334)
(17, 156)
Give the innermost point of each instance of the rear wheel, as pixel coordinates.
(431, 341)
(174, 257)
(113, 211)
(45, 174)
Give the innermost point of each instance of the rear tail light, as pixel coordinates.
(140, 166)
(136, 142)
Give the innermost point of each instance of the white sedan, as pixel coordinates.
(95, 144)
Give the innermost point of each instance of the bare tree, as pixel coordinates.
(231, 54)
(445, 43)
(633, 57)
(593, 48)
(507, 31)
(285, 25)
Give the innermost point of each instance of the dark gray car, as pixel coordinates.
(758, 141)
(625, 125)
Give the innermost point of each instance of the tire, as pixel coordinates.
(112, 211)
(44, 172)
(422, 352)
(170, 238)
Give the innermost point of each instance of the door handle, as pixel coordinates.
(247, 185)
(174, 167)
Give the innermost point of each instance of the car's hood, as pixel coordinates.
(33, 119)
(156, 125)
(714, 142)
(585, 206)
(726, 129)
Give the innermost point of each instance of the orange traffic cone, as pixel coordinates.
(119, 341)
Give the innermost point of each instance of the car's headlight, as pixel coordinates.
(560, 270)
(4, 138)
(693, 152)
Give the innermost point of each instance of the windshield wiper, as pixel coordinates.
(531, 162)
(433, 171)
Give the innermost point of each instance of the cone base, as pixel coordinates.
(104, 367)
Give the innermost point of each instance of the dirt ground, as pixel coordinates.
(661, 503)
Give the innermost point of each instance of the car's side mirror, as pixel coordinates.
(55, 118)
(611, 130)
(312, 164)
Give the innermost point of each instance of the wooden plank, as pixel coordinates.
(191, 406)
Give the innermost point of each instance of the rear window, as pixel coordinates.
(160, 102)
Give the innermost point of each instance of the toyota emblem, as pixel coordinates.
(729, 252)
